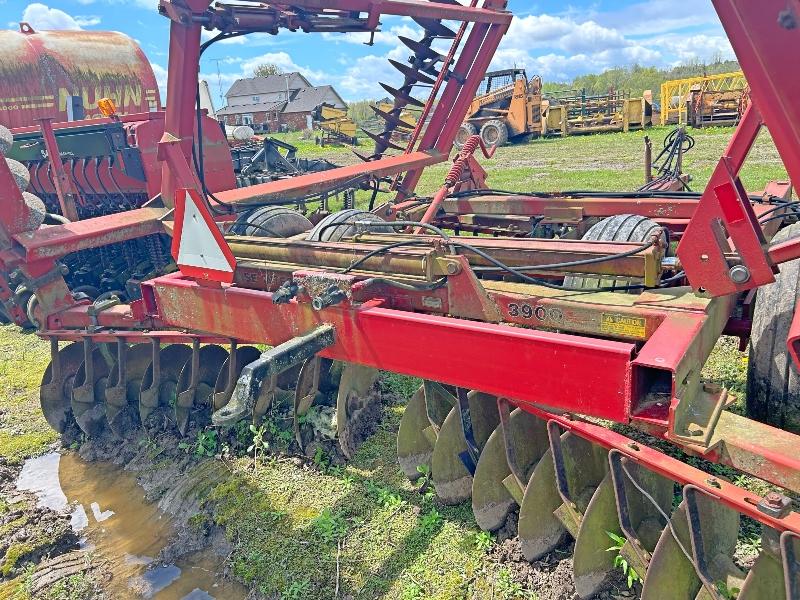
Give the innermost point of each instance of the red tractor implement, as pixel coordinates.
(538, 345)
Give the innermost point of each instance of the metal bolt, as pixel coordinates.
(452, 268)
(739, 274)
(776, 505)
(773, 499)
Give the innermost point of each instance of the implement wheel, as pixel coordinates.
(619, 228)
(271, 221)
(773, 382)
(466, 131)
(339, 225)
(494, 133)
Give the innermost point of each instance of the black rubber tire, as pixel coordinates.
(339, 225)
(494, 133)
(773, 382)
(271, 221)
(464, 133)
(619, 228)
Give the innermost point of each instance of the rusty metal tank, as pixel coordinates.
(40, 70)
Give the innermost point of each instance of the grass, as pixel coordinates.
(294, 528)
(298, 527)
(23, 430)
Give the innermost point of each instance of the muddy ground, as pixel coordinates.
(180, 483)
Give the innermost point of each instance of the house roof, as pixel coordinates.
(308, 98)
(267, 85)
(251, 108)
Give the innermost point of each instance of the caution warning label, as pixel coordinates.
(623, 325)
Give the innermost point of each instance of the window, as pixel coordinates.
(247, 119)
(256, 99)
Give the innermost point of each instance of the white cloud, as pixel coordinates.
(285, 63)
(42, 17)
(161, 79)
(88, 21)
(558, 47)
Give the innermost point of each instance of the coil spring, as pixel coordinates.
(457, 168)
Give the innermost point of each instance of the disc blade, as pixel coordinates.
(671, 573)
(55, 393)
(193, 398)
(158, 392)
(592, 564)
(226, 380)
(88, 393)
(765, 580)
(122, 396)
(715, 539)
(539, 530)
(451, 478)
(357, 406)
(491, 498)
(414, 447)
(585, 465)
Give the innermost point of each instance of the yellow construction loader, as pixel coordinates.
(508, 106)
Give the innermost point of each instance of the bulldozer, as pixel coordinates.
(507, 107)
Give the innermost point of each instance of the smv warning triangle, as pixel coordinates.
(198, 247)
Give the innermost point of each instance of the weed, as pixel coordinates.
(258, 445)
(297, 590)
(620, 562)
(412, 591)
(508, 588)
(483, 540)
(283, 437)
(321, 459)
(385, 497)
(726, 592)
(205, 444)
(74, 586)
(329, 526)
(430, 521)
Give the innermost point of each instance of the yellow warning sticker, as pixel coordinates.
(623, 325)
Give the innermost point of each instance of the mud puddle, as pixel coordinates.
(116, 523)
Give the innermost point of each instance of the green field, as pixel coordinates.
(301, 532)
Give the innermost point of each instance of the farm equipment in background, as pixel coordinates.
(261, 162)
(335, 125)
(507, 107)
(679, 96)
(573, 314)
(712, 108)
(573, 112)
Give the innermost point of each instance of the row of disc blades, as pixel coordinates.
(176, 386)
(561, 487)
(422, 69)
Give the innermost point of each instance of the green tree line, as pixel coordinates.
(637, 78)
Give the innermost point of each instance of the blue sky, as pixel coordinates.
(554, 39)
